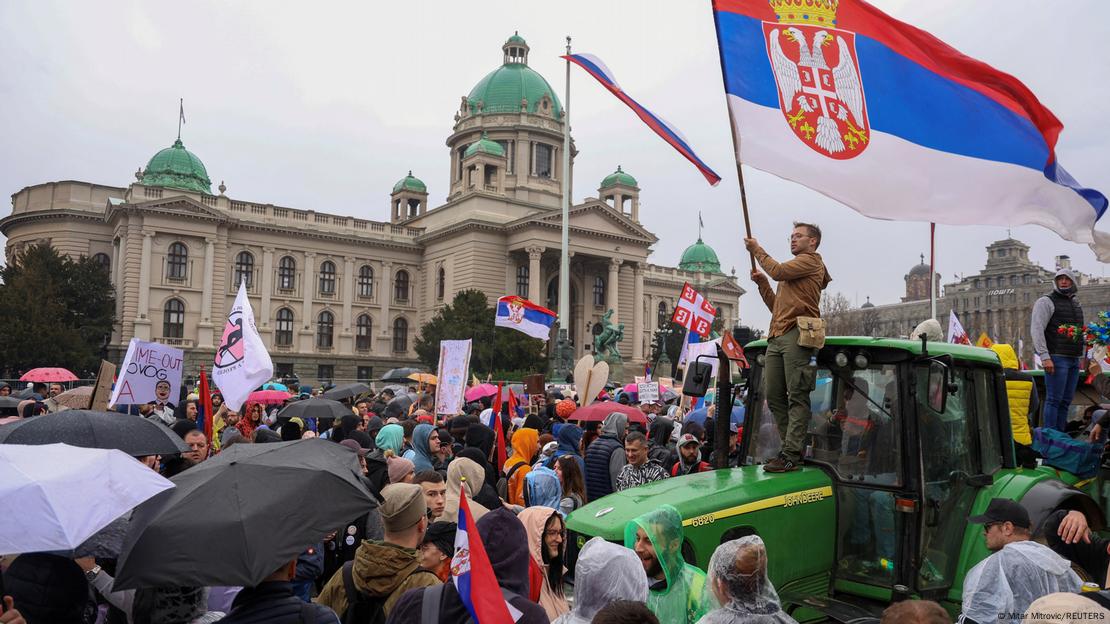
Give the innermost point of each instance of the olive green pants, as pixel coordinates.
(787, 381)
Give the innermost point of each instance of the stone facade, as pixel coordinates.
(339, 298)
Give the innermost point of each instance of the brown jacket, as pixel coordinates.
(380, 569)
(800, 282)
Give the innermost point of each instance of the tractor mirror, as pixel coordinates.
(938, 386)
(696, 382)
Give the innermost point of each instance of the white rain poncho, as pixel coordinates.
(1008, 581)
(605, 573)
(738, 583)
(681, 600)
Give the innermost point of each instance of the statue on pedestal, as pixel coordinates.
(605, 343)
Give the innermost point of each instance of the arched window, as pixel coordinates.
(401, 286)
(363, 327)
(283, 334)
(173, 319)
(599, 290)
(287, 273)
(244, 269)
(103, 260)
(176, 260)
(366, 281)
(441, 284)
(327, 277)
(400, 335)
(522, 280)
(664, 317)
(325, 328)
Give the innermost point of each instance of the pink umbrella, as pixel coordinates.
(48, 375)
(479, 391)
(268, 397)
(599, 410)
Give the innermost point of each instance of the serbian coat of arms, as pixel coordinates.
(818, 76)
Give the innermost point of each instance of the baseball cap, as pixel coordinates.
(1003, 510)
(688, 439)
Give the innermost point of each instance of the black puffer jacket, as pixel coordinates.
(274, 603)
(49, 588)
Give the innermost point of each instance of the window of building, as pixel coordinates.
(283, 331)
(401, 286)
(459, 160)
(103, 260)
(327, 277)
(244, 269)
(176, 260)
(1013, 280)
(599, 290)
(173, 319)
(441, 284)
(544, 161)
(283, 370)
(522, 281)
(366, 281)
(976, 283)
(365, 373)
(287, 273)
(663, 316)
(990, 282)
(400, 335)
(363, 327)
(325, 329)
(325, 372)
(509, 155)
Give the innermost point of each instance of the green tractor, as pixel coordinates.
(906, 440)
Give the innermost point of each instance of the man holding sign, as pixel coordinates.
(790, 372)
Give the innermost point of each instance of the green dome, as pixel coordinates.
(620, 177)
(700, 257)
(486, 146)
(177, 167)
(409, 183)
(502, 89)
(516, 38)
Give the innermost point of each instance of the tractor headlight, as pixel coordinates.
(841, 359)
(761, 359)
(861, 360)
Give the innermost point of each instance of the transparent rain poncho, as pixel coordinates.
(682, 599)
(1008, 581)
(605, 573)
(738, 586)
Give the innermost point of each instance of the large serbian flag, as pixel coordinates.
(893, 122)
(473, 575)
(522, 315)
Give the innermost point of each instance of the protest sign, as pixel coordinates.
(648, 391)
(454, 366)
(102, 390)
(150, 372)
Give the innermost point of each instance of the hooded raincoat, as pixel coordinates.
(456, 470)
(738, 577)
(525, 445)
(1001, 587)
(569, 437)
(542, 486)
(420, 454)
(390, 438)
(604, 573)
(682, 599)
(535, 522)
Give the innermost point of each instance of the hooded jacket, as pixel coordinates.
(505, 541)
(659, 441)
(682, 599)
(456, 470)
(800, 282)
(379, 569)
(1021, 393)
(1059, 307)
(525, 445)
(605, 456)
(390, 438)
(535, 520)
(273, 602)
(605, 573)
(421, 455)
(542, 485)
(570, 438)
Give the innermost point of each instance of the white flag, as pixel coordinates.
(242, 363)
(956, 332)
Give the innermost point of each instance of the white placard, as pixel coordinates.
(454, 369)
(648, 391)
(150, 372)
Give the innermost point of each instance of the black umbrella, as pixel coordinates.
(131, 434)
(399, 406)
(257, 507)
(315, 408)
(400, 375)
(9, 402)
(346, 391)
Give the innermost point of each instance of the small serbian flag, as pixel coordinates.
(693, 312)
(524, 316)
(669, 133)
(473, 575)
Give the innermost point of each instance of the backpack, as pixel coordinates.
(503, 482)
(363, 609)
(430, 603)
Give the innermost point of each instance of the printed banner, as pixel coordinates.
(242, 362)
(151, 372)
(454, 367)
(648, 392)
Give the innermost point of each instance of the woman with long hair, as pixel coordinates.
(546, 536)
(574, 484)
(248, 423)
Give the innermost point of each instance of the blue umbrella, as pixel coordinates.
(273, 385)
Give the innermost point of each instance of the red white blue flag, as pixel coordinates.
(892, 122)
(669, 133)
(473, 575)
(524, 316)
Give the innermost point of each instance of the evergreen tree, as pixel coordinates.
(470, 316)
(54, 311)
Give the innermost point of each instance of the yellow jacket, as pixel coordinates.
(1019, 393)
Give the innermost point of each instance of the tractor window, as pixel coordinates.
(990, 445)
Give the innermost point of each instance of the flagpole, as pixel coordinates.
(740, 178)
(932, 270)
(561, 365)
(180, 116)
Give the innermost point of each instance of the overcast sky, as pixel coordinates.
(325, 105)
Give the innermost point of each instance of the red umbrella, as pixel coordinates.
(599, 410)
(479, 391)
(48, 375)
(268, 397)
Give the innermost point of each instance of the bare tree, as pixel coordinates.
(836, 309)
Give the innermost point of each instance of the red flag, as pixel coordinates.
(512, 403)
(733, 350)
(498, 430)
(206, 405)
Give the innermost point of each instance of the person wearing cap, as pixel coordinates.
(384, 570)
(1001, 587)
(689, 457)
(438, 548)
(1058, 351)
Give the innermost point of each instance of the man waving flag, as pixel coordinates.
(891, 121)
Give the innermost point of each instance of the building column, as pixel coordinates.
(267, 286)
(118, 249)
(346, 337)
(638, 312)
(142, 321)
(535, 280)
(309, 286)
(205, 326)
(386, 324)
(612, 288)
